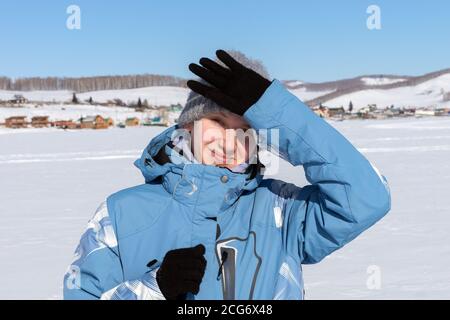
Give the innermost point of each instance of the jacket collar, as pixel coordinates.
(210, 189)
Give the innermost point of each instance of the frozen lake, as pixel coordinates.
(52, 182)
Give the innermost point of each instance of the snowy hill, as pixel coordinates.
(306, 95)
(429, 90)
(159, 96)
(44, 96)
(154, 95)
(293, 83)
(426, 94)
(376, 81)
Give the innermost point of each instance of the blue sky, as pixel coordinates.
(308, 40)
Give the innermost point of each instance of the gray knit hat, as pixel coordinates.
(197, 105)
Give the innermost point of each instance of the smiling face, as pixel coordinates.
(222, 139)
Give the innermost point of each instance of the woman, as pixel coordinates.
(205, 224)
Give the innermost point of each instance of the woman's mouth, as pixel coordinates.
(220, 157)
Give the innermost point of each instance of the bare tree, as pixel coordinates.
(86, 84)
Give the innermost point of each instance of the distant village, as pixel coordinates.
(168, 115)
(148, 115)
(372, 111)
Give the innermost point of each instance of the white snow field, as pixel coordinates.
(380, 80)
(52, 181)
(305, 95)
(156, 95)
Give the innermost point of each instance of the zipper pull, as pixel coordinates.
(224, 258)
(152, 263)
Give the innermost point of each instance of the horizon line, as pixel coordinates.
(183, 78)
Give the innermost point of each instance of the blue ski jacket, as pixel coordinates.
(267, 227)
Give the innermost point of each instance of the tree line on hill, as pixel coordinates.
(85, 84)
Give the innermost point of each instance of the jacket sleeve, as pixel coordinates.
(96, 272)
(347, 194)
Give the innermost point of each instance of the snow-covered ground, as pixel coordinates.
(157, 95)
(305, 95)
(375, 81)
(293, 83)
(52, 181)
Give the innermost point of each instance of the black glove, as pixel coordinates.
(181, 272)
(235, 88)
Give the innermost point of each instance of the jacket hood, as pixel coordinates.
(184, 179)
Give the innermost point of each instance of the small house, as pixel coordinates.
(64, 124)
(147, 121)
(425, 112)
(380, 114)
(393, 112)
(408, 112)
(132, 122)
(109, 122)
(93, 122)
(87, 122)
(16, 122)
(176, 107)
(155, 121)
(100, 123)
(440, 112)
(336, 112)
(368, 109)
(321, 111)
(39, 122)
(18, 99)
